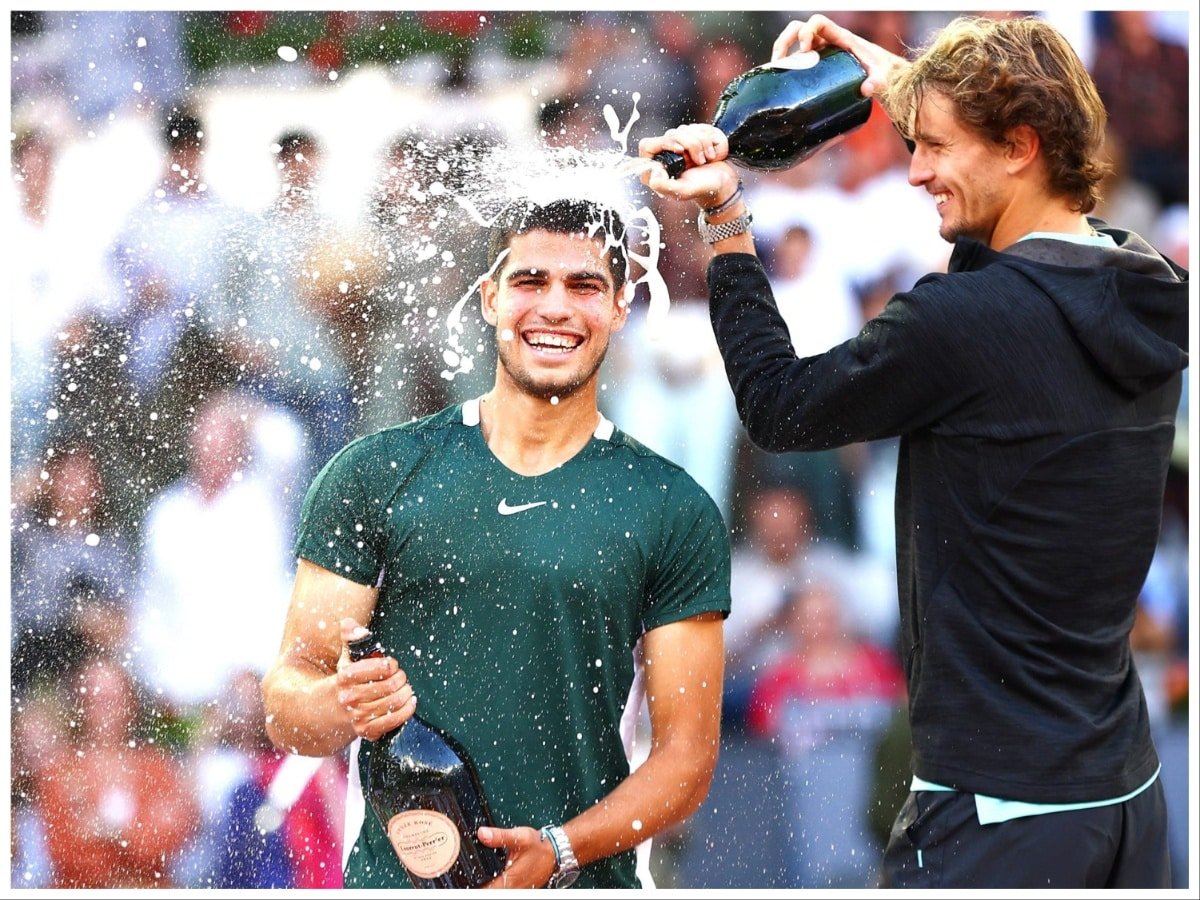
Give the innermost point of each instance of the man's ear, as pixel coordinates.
(1022, 148)
(488, 291)
(623, 298)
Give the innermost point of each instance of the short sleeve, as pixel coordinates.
(341, 523)
(690, 572)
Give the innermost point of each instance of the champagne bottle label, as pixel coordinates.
(426, 841)
(805, 60)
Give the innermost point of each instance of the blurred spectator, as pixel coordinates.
(826, 702)
(216, 577)
(116, 809)
(1143, 81)
(72, 569)
(814, 299)
(47, 223)
(823, 658)
(132, 374)
(242, 842)
(676, 47)
(777, 557)
(39, 737)
(1124, 202)
(110, 369)
(565, 122)
(427, 253)
(170, 253)
(673, 378)
(105, 61)
(724, 59)
(36, 307)
(614, 55)
(287, 351)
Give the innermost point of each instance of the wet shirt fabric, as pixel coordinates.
(1035, 392)
(515, 604)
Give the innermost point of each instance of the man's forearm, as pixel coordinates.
(667, 788)
(303, 714)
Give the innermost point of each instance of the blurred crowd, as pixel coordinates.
(183, 363)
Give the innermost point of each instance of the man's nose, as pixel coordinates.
(554, 304)
(919, 171)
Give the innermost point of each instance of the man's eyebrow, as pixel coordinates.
(523, 273)
(582, 275)
(587, 275)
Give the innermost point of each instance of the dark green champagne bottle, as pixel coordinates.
(426, 793)
(779, 114)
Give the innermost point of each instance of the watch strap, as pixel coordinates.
(567, 867)
(713, 233)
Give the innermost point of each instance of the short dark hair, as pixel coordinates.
(562, 217)
(182, 129)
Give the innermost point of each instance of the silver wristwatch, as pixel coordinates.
(713, 233)
(567, 868)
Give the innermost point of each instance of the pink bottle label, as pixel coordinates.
(426, 841)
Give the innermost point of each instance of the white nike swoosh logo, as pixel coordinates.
(505, 510)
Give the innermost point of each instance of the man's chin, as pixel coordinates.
(552, 392)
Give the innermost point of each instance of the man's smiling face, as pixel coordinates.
(554, 305)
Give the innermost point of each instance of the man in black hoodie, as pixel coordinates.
(1034, 387)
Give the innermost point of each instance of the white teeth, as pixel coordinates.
(553, 341)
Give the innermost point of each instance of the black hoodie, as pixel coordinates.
(1035, 392)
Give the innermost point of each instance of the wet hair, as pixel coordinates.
(563, 217)
(182, 129)
(1000, 74)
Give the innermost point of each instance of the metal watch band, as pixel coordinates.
(568, 865)
(713, 233)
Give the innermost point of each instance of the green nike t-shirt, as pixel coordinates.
(514, 604)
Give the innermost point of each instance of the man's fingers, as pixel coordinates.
(495, 837)
(812, 34)
(789, 36)
(376, 671)
(374, 725)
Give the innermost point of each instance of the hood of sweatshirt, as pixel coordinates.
(1127, 304)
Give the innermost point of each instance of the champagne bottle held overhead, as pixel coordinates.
(424, 789)
(779, 114)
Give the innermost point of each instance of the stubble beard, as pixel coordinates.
(547, 390)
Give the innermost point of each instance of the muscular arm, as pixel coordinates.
(316, 701)
(684, 669)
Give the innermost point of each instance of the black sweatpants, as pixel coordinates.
(937, 842)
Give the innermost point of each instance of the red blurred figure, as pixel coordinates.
(117, 811)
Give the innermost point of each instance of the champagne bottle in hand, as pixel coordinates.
(425, 791)
(779, 114)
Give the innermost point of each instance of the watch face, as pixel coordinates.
(564, 879)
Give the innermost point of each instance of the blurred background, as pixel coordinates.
(233, 247)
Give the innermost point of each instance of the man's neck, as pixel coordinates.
(1052, 216)
(532, 436)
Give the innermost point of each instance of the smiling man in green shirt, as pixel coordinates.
(530, 569)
